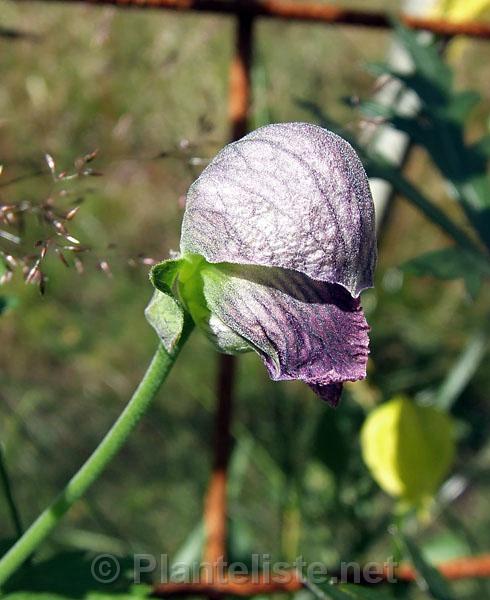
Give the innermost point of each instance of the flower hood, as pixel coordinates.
(278, 241)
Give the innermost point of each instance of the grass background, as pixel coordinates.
(135, 85)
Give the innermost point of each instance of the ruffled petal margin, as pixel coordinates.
(303, 329)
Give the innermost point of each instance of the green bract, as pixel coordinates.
(190, 283)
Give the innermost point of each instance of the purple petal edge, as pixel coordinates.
(303, 329)
(331, 393)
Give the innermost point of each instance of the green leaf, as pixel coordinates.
(439, 127)
(454, 106)
(426, 58)
(451, 263)
(378, 168)
(427, 91)
(462, 371)
(422, 131)
(462, 104)
(435, 583)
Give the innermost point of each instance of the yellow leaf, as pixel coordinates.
(463, 10)
(408, 448)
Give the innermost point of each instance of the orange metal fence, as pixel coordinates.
(313, 12)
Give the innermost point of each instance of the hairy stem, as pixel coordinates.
(155, 375)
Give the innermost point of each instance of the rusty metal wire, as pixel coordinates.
(311, 12)
(291, 581)
(215, 512)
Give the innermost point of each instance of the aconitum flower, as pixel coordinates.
(277, 243)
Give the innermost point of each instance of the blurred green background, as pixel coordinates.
(149, 90)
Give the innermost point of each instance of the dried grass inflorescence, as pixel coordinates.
(54, 218)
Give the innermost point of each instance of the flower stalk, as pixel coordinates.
(91, 470)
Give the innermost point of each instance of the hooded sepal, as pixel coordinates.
(289, 195)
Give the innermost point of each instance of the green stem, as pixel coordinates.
(156, 374)
(14, 513)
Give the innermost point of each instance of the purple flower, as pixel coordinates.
(278, 242)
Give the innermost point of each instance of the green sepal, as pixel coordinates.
(164, 274)
(165, 313)
(187, 276)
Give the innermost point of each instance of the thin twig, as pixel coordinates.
(9, 497)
